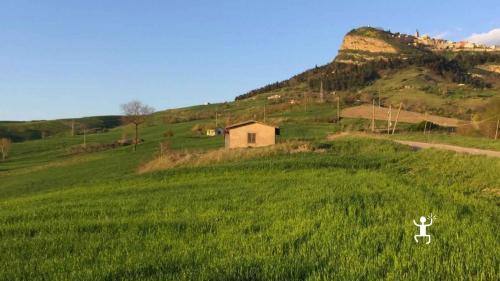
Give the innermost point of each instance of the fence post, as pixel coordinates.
(397, 117)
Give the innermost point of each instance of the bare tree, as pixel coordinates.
(135, 113)
(5, 144)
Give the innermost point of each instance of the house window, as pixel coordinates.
(251, 137)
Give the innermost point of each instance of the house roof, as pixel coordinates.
(245, 123)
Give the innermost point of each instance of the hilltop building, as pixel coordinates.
(274, 97)
(437, 44)
(250, 134)
(215, 132)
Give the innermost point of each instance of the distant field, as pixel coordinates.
(382, 113)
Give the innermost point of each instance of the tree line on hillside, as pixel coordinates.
(135, 113)
(344, 77)
(341, 76)
(265, 89)
(33, 130)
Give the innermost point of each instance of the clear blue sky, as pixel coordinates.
(72, 58)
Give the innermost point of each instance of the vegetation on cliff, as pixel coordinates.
(354, 69)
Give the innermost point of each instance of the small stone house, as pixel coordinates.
(250, 134)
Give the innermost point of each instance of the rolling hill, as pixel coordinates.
(453, 81)
(312, 207)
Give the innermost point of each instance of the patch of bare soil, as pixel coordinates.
(382, 113)
(492, 191)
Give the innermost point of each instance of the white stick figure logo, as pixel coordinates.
(423, 228)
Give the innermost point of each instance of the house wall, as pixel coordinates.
(238, 137)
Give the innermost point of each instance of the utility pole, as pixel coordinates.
(264, 113)
(161, 151)
(216, 119)
(496, 131)
(305, 102)
(73, 127)
(84, 137)
(425, 127)
(338, 108)
(389, 117)
(321, 96)
(373, 116)
(397, 117)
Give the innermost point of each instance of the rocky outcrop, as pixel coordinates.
(490, 67)
(367, 44)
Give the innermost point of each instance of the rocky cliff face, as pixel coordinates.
(367, 44)
(492, 68)
(367, 53)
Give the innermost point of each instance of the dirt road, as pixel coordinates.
(422, 145)
(455, 148)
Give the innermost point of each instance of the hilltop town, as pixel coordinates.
(368, 44)
(437, 44)
(376, 40)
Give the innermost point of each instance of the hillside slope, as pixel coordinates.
(32, 130)
(393, 67)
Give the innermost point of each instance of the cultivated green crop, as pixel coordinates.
(343, 213)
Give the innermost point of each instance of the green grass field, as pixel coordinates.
(343, 212)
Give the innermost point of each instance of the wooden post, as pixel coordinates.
(389, 117)
(264, 113)
(84, 137)
(216, 119)
(161, 151)
(496, 131)
(321, 92)
(137, 135)
(397, 117)
(338, 108)
(425, 126)
(373, 116)
(73, 128)
(305, 102)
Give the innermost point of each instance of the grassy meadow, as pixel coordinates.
(340, 211)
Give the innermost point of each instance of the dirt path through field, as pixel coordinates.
(423, 145)
(455, 148)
